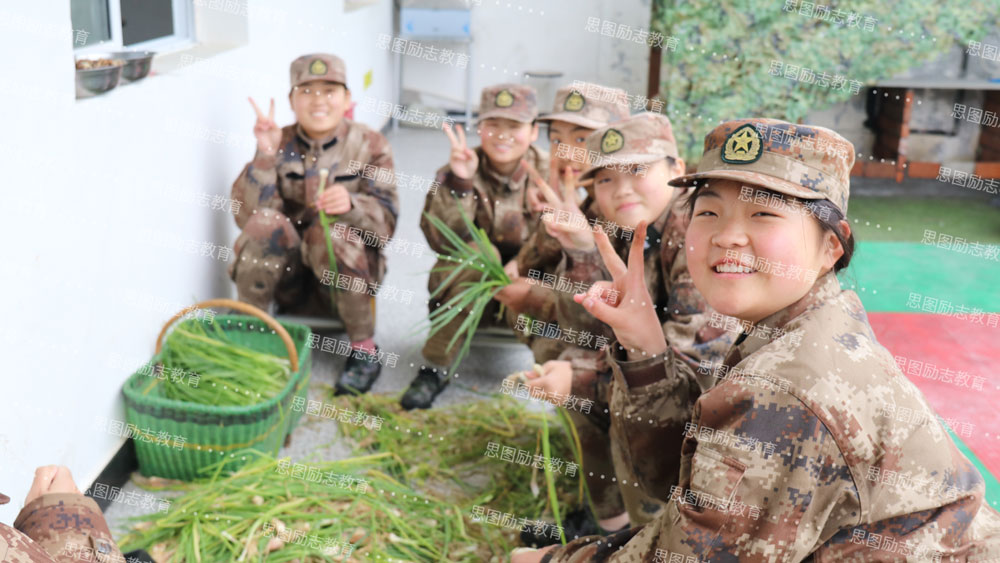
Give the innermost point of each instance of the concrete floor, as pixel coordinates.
(418, 152)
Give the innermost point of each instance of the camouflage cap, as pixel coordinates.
(510, 101)
(318, 66)
(643, 138)
(589, 105)
(802, 161)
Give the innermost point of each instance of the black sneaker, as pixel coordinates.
(427, 385)
(576, 524)
(360, 373)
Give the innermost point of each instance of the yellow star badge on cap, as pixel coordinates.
(574, 102)
(504, 99)
(317, 67)
(743, 146)
(612, 141)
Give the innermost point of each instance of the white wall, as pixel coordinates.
(84, 180)
(522, 35)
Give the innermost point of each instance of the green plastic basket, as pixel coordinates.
(174, 439)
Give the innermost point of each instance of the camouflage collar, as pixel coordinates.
(826, 287)
(321, 144)
(655, 231)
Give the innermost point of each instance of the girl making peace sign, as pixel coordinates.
(791, 455)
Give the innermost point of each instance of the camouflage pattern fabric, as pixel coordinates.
(496, 204)
(58, 527)
(281, 245)
(790, 455)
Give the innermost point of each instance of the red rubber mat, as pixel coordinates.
(954, 363)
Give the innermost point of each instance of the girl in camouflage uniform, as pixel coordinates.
(629, 438)
(790, 455)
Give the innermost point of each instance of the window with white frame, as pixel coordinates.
(149, 25)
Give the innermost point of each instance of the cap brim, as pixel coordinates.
(327, 80)
(574, 118)
(635, 159)
(503, 114)
(758, 179)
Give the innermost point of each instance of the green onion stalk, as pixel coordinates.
(426, 472)
(325, 221)
(266, 512)
(550, 480)
(477, 255)
(460, 433)
(229, 374)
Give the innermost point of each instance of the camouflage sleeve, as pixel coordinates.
(540, 252)
(591, 376)
(445, 204)
(580, 269)
(70, 527)
(762, 480)
(540, 304)
(16, 547)
(375, 204)
(256, 188)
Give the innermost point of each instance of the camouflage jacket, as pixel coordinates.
(495, 203)
(681, 309)
(792, 455)
(357, 157)
(61, 527)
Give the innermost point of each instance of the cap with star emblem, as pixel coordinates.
(643, 138)
(318, 66)
(803, 161)
(509, 101)
(589, 105)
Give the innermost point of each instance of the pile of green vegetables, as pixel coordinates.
(478, 255)
(425, 470)
(229, 374)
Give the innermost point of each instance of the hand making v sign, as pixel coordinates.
(463, 160)
(266, 131)
(633, 316)
(574, 234)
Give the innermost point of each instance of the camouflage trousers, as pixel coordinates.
(277, 262)
(631, 448)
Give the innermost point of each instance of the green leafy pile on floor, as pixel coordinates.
(409, 494)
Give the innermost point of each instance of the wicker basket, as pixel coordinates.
(175, 439)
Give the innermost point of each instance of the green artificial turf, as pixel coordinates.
(884, 274)
(900, 219)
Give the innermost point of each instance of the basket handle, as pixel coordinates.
(293, 354)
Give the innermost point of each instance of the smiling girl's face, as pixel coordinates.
(627, 197)
(506, 141)
(722, 224)
(320, 106)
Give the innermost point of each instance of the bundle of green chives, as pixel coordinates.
(426, 471)
(475, 296)
(459, 434)
(245, 516)
(229, 374)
